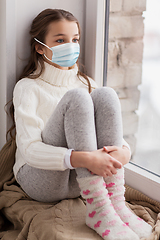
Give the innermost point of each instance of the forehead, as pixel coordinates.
(63, 27)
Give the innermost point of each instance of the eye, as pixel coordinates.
(60, 41)
(75, 40)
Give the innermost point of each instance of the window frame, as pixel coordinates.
(143, 180)
(95, 39)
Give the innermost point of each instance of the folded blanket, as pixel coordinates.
(7, 159)
(35, 220)
(65, 220)
(22, 218)
(146, 208)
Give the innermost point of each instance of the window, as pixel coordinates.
(143, 173)
(148, 137)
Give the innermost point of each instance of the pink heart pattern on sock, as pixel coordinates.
(120, 188)
(100, 204)
(122, 233)
(106, 233)
(97, 224)
(110, 194)
(90, 200)
(95, 181)
(128, 215)
(91, 215)
(86, 192)
(97, 194)
(111, 223)
(118, 208)
(102, 214)
(110, 185)
(118, 198)
(120, 177)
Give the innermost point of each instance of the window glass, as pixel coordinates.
(148, 136)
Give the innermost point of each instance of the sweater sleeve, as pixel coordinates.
(29, 126)
(124, 143)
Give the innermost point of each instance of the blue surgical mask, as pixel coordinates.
(64, 55)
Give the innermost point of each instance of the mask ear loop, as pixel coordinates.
(45, 46)
(42, 43)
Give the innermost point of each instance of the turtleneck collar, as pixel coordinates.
(59, 77)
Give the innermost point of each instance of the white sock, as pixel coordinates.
(100, 214)
(116, 190)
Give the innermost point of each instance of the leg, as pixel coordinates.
(109, 132)
(75, 126)
(108, 117)
(99, 208)
(48, 186)
(77, 117)
(72, 126)
(116, 190)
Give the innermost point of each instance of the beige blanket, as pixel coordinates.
(22, 218)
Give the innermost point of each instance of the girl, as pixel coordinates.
(63, 125)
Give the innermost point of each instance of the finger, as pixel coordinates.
(114, 171)
(105, 149)
(105, 175)
(109, 174)
(117, 164)
(111, 148)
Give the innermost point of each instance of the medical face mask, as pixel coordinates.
(64, 55)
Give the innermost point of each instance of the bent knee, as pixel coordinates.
(78, 95)
(105, 93)
(77, 91)
(104, 90)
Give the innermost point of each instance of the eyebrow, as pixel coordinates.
(61, 34)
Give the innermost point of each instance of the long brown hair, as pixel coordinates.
(39, 29)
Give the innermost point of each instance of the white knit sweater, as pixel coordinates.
(34, 102)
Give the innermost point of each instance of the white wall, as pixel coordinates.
(15, 20)
(27, 10)
(2, 70)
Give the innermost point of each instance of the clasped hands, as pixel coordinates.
(108, 159)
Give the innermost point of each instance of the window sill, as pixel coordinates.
(143, 180)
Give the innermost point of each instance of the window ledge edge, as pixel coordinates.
(142, 180)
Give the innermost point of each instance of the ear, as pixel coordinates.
(39, 48)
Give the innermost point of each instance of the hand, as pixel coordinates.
(102, 163)
(123, 154)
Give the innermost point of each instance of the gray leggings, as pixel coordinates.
(83, 122)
